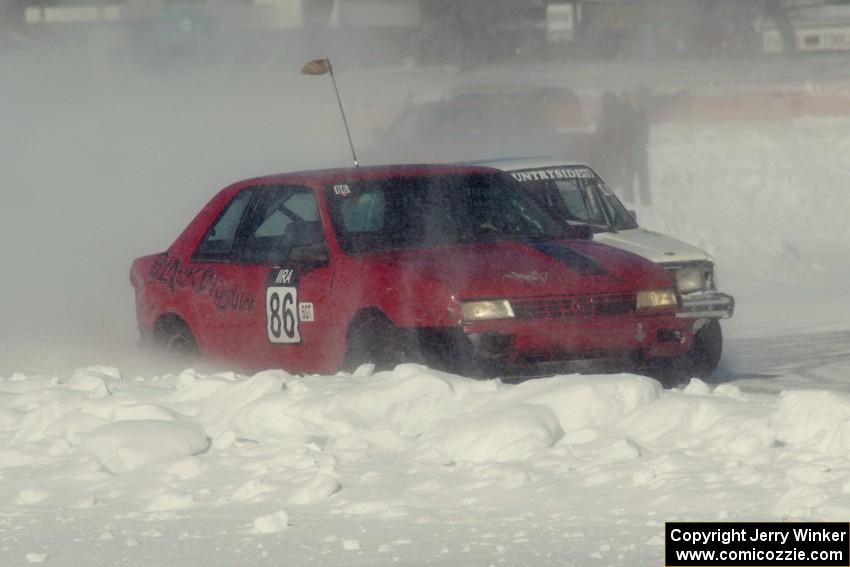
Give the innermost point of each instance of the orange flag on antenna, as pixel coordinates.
(316, 67)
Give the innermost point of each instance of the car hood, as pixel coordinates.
(512, 269)
(653, 246)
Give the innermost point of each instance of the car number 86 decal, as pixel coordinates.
(282, 314)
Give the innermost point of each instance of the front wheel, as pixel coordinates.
(706, 350)
(699, 362)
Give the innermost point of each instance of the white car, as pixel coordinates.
(577, 194)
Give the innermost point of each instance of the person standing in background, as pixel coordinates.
(636, 146)
(12, 16)
(611, 139)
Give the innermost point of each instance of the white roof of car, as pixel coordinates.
(518, 163)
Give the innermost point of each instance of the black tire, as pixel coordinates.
(699, 362)
(173, 337)
(671, 372)
(373, 338)
(706, 350)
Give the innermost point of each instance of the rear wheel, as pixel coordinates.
(173, 337)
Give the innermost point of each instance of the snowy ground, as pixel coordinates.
(409, 466)
(134, 463)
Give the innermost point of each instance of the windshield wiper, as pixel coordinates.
(530, 237)
(602, 227)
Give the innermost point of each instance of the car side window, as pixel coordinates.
(286, 219)
(218, 242)
(616, 213)
(581, 204)
(364, 212)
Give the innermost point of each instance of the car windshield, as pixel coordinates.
(578, 194)
(437, 210)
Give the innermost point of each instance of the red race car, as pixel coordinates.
(452, 266)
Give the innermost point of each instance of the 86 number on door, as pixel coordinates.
(282, 315)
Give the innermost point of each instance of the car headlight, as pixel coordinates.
(487, 310)
(692, 278)
(689, 280)
(656, 299)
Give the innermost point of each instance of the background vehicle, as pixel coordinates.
(485, 120)
(578, 195)
(447, 265)
(812, 27)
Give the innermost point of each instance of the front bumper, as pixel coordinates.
(520, 341)
(708, 305)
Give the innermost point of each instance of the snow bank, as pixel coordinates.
(336, 458)
(816, 420)
(509, 434)
(127, 445)
(312, 424)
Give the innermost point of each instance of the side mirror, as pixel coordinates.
(582, 231)
(314, 254)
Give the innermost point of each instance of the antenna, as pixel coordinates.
(321, 67)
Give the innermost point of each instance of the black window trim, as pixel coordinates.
(238, 236)
(241, 239)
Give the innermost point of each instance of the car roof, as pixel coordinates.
(537, 162)
(366, 172)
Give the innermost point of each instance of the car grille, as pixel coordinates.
(573, 306)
